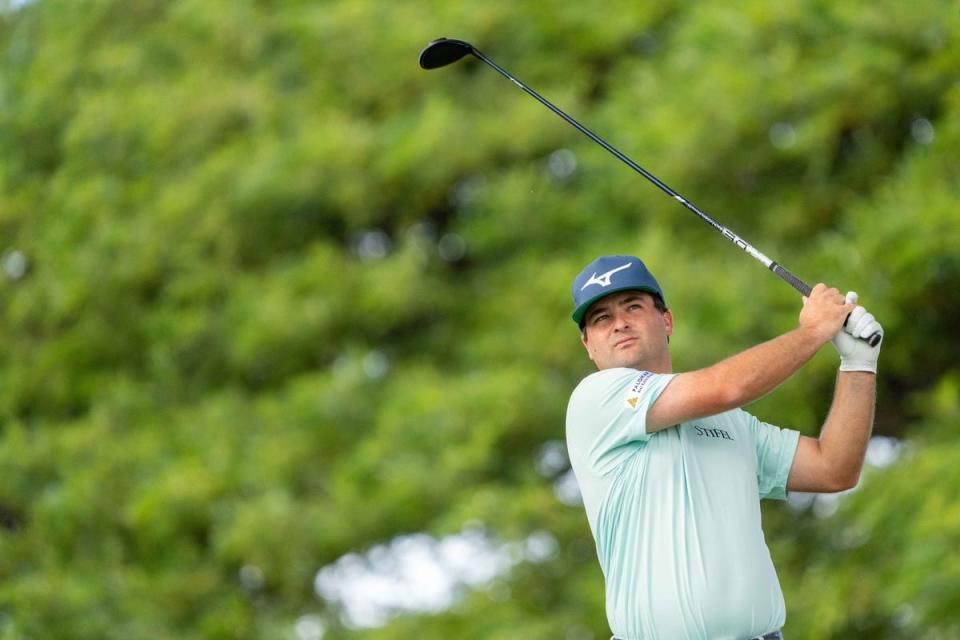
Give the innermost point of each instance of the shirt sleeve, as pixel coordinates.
(608, 411)
(775, 448)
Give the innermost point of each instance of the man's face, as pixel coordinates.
(626, 329)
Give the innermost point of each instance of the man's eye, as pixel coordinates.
(599, 317)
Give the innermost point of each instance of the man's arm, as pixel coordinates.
(751, 374)
(833, 462)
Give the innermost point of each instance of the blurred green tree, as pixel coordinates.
(271, 294)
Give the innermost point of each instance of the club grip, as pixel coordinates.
(790, 279)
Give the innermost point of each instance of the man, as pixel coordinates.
(672, 470)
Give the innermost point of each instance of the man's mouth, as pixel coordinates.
(624, 342)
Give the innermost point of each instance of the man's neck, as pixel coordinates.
(654, 366)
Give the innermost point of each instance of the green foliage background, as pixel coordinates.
(208, 364)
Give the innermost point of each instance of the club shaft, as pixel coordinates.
(773, 266)
(782, 272)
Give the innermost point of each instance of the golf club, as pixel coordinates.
(444, 51)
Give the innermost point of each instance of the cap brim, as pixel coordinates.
(581, 311)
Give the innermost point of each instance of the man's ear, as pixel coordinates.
(583, 341)
(668, 322)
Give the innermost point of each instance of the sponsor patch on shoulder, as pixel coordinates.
(633, 396)
(641, 381)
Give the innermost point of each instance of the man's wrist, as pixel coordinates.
(815, 335)
(850, 365)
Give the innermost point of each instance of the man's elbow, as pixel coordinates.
(732, 395)
(842, 481)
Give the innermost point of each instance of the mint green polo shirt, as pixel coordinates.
(676, 514)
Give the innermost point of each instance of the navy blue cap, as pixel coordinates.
(609, 274)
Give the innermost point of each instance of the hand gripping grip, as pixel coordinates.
(804, 289)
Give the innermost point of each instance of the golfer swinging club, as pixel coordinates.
(672, 471)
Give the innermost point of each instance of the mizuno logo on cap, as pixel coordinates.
(604, 280)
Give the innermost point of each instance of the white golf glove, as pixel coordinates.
(855, 353)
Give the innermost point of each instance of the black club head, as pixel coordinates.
(443, 51)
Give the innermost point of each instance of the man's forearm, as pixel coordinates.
(753, 373)
(733, 382)
(846, 432)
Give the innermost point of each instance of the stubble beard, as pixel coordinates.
(643, 357)
(630, 358)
